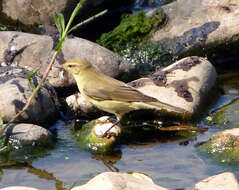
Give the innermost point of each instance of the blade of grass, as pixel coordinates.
(87, 20)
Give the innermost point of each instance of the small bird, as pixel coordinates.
(109, 94)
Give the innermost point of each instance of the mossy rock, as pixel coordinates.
(21, 154)
(228, 115)
(223, 146)
(88, 140)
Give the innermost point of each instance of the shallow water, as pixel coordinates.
(172, 164)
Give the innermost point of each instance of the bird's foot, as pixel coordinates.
(106, 128)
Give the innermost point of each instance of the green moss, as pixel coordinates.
(227, 152)
(228, 115)
(89, 141)
(132, 30)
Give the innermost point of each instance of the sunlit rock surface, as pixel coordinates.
(199, 26)
(185, 85)
(223, 181)
(120, 181)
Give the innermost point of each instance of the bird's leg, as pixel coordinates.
(105, 133)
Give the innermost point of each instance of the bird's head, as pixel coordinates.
(76, 66)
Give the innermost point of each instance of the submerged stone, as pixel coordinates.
(223, 145)
(228, 115)
(90, 136)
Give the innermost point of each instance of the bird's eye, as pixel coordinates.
(70, 66)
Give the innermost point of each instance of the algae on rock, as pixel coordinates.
(228, 115)
(132, 30)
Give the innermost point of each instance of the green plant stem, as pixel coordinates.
(34, 93)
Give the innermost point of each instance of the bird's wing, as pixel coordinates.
(123, 93)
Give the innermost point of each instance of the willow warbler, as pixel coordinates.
(109, 94)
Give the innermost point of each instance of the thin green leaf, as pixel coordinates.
(32, 74)
(87, 20)
(60, 23)
(74, 13)
(32, 85)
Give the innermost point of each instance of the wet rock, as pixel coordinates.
(120, 181)
(223, 181)
(223, 145)
(18, 188)
(91, 135)
(200, 28)
(15, 90)
(34, 51)
(25, 134)
(185, 85)
(228, 115)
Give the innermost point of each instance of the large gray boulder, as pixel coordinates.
(15, 90)
(33, 51)
(199, 26)
(186, 85)
(25, 134)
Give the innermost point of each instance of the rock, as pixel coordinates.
(15, 90)
(18, 188)
(32, 13)
(120, 181)
(90, 136)
(34, 51)
(25, 134)
(81, 107)
(223, 181)
(201, 27)
(228, 115)
(223, 145)
(184, 85)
